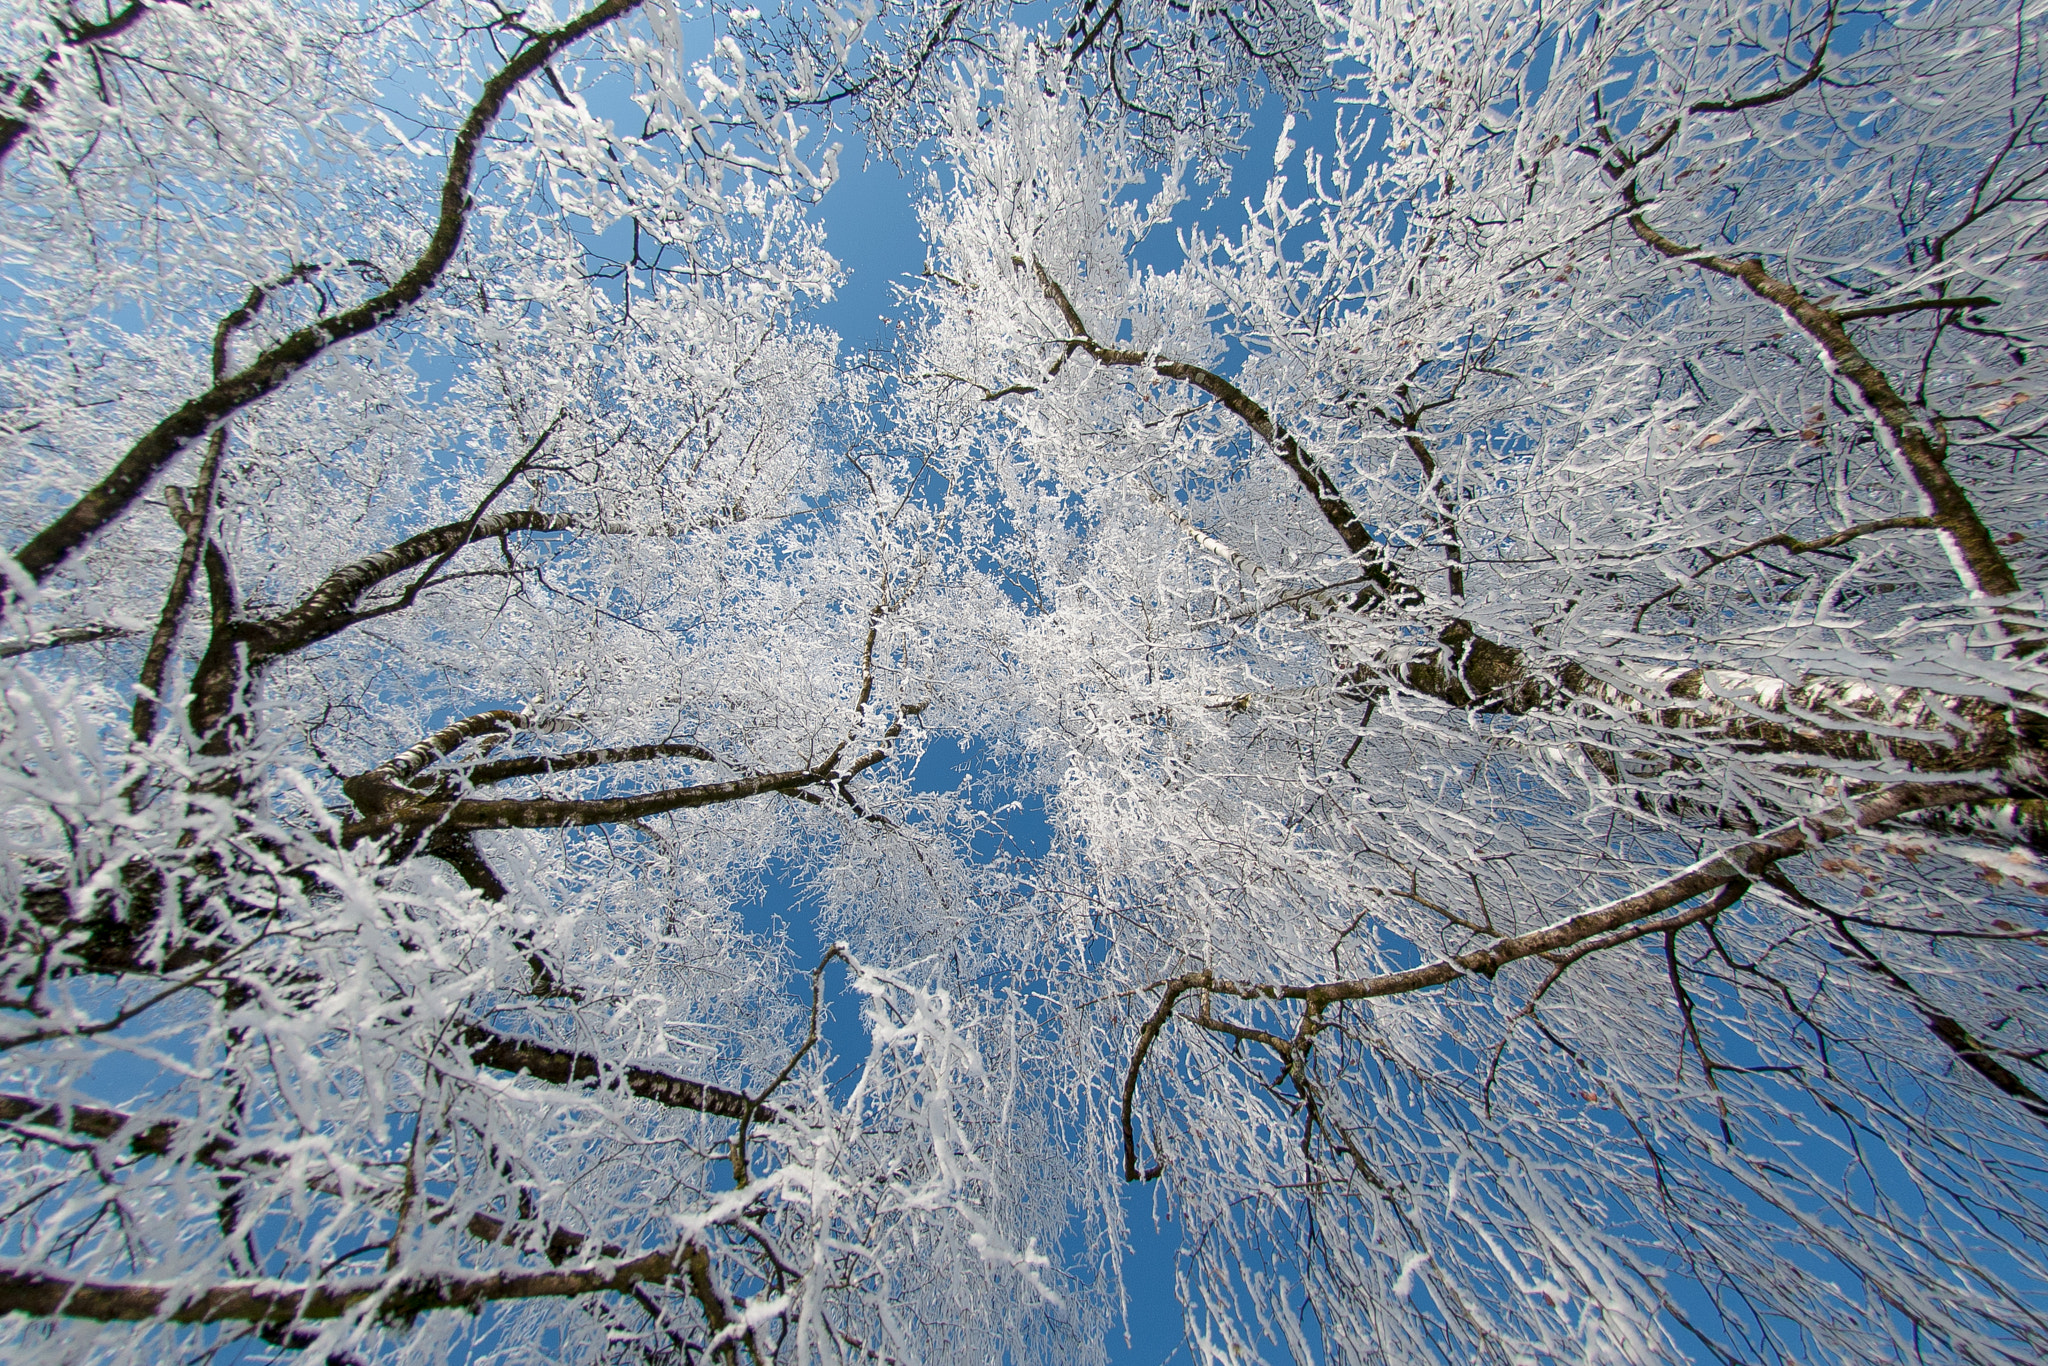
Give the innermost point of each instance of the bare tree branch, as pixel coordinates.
(1747, 862)
(545, 1062)
(62, 636)
(396, 1299)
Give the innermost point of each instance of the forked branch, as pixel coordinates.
(1985, 568)
(1746, 862)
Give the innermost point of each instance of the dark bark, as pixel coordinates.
(417, 819)
(1973, 1052)
(62, 636)
(1986, 568)
(238, 649)
(399, 1298)
(540, 765)
(196, 520)
(89, 1121)
(545, 1062)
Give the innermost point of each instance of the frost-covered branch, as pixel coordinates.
(43, 553)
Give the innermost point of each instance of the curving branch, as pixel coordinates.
(740, 1174)
(1765, 98)
(1379, 569)
(196, 518)
(49, 548)
(1469, 671)
(1922, 454)
(1983, 566)
(1749, 861)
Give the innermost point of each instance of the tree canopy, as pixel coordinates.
(1472, 723)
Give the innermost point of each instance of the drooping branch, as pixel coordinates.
(1980, 1057)
(49, 548)
(1749, 861)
